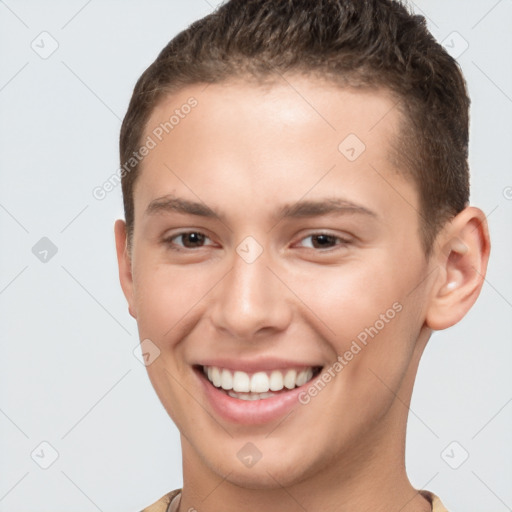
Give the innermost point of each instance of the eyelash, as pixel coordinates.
(169, 241)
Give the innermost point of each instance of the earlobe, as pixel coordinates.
(124, 264)
(462, 253)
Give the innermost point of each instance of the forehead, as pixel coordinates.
(290, 102)
(292, 136)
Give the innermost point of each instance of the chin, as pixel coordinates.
(269, 473)
(264, 478)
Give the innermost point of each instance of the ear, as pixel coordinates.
(124, 264)
(461, 252)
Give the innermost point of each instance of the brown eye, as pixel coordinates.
(323, 241)
(187, 240)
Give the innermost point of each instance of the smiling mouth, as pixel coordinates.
(260, 385)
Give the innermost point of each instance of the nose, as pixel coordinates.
(251, 301)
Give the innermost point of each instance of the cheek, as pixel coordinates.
(165, 297)
(369, 317)
(350, 299)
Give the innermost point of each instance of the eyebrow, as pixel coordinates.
(299, 209)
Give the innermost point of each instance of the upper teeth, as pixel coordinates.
(259, 382)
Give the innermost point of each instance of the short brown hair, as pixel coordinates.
(355, 43)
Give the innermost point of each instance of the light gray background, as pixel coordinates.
(68, 373)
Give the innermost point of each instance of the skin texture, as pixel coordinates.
(246, 150)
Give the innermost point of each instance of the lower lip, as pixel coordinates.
(250, 412)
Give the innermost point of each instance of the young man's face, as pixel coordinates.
(276, 282)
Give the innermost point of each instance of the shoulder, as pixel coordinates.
(163, 503)
(437, 506)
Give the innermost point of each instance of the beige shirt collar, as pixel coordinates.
(437, 506)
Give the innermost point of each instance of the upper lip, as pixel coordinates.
(256, 365)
